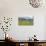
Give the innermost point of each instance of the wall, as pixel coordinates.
(17, 8)
(45, 29)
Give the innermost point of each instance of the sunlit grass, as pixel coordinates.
(25, 22)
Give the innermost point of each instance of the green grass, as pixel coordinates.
(25, 23)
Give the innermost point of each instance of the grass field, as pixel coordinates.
(24, 22)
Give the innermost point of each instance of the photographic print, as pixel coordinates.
(25, 21)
